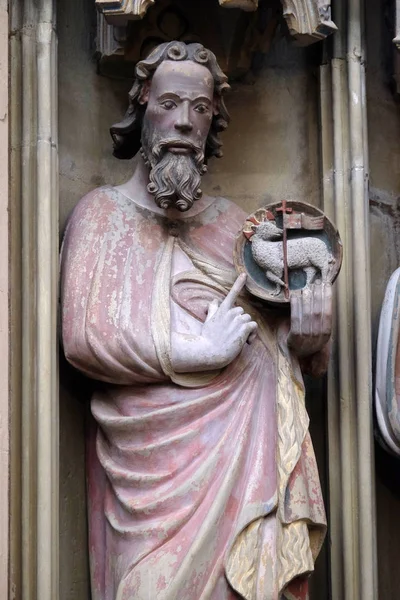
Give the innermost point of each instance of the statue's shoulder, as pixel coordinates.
(99, 200)
(227, 205)
(100, 203)
(225, 209)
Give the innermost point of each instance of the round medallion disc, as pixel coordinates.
(290, 232)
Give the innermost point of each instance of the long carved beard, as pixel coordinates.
(174, 178)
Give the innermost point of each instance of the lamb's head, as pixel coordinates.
(267, 230)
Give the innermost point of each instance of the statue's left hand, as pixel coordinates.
(310, 318)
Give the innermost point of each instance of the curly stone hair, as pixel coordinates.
(126, 134)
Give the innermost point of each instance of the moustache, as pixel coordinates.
(162, 146)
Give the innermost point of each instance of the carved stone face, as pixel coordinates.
(175, 128)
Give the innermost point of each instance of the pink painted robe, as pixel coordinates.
(175, 474)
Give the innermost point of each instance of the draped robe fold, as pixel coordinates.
(200, 486)
(387, 380)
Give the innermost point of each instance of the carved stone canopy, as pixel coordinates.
(308, 20)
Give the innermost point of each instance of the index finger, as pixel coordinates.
(234, 292)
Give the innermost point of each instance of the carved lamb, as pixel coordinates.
(308, 253)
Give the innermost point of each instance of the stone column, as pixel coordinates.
(4, 303)
(34, 259)
(345, 186)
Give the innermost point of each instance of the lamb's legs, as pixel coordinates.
(310, 274)
(275, 279)
(325, 272)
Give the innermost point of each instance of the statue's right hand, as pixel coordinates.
(222, 336)
(227, 327)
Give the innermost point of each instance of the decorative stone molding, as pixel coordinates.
(308, 20)
(110, 47)
(123, 38)
(110, 38)
(124, 9)
(120, 47)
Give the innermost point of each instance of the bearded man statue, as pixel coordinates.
(202, 480)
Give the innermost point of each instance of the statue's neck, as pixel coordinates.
(136, 190)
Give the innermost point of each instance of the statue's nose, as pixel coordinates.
(183, 122)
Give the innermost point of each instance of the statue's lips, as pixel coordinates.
(180, 148)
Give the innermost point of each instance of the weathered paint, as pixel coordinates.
(175, 473)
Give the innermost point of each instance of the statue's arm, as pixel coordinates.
(311, 327)
(219, 340)
(85, 347)
(78, 259)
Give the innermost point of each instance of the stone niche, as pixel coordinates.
(271, 151)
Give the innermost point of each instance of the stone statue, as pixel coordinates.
(202, 480)
(387, 388)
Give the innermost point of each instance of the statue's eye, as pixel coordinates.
(201, 108)
(168, 104)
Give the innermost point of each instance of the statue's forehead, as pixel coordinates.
(183, 78)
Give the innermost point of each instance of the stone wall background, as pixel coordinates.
(271, 152)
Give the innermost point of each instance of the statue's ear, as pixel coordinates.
(144, 93)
